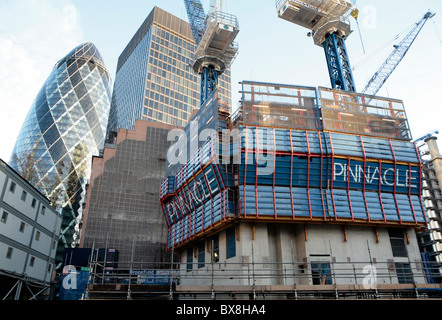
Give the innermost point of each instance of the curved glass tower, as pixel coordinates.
(65, 126)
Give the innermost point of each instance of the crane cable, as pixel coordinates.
(221, 5)
(374, 53)
(355, 14)
(437, 33)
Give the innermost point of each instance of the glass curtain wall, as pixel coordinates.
(65, 126)
(155, 80)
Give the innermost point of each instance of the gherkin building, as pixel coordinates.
(63, 129)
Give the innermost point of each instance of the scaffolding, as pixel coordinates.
(280, 106)
(363, 114)
(300, 107)
(257, 280)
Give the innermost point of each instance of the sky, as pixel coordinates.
(35, 34)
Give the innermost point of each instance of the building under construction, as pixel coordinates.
(312, 177)
(302, 192)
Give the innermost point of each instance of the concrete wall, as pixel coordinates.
(283, 254)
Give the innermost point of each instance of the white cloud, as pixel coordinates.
(34, 35)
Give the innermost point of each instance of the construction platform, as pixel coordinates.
(216, 47)
(130, 284)
(322, 17)
(262, 292)
(282, 281)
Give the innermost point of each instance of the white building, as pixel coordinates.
(29, 231)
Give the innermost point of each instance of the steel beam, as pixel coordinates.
(341, 76)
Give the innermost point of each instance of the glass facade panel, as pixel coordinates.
(64, 127)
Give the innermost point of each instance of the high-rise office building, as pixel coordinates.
(154, 79)
(64, 127)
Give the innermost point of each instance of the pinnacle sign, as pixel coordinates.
(258, 155)
(375, 176)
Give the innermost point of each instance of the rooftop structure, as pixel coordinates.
(288, 106)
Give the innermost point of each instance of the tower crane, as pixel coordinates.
(329, 25)
(396, 56)
(214, 37)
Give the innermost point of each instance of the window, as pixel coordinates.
(404, 273)
(22, 227)
(4, 217)
(12, 187)
(43, 209)
(189, 258)
(230, 243)
(9, 253)
(34, 202)
(23, 195)
(31, 262)
(397, 242)
(37, 236)
(321, 273)
(201, 254)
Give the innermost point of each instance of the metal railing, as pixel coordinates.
(224, 18)
(313, 278)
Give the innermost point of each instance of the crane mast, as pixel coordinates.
(387, 68)
(329, 25)
(214, 36)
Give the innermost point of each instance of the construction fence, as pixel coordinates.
(257, 280)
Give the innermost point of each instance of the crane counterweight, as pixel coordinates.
(322, 17)
(329, 26)
(217, 47)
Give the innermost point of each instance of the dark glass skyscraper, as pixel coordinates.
(65, 126)
(154, 79)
